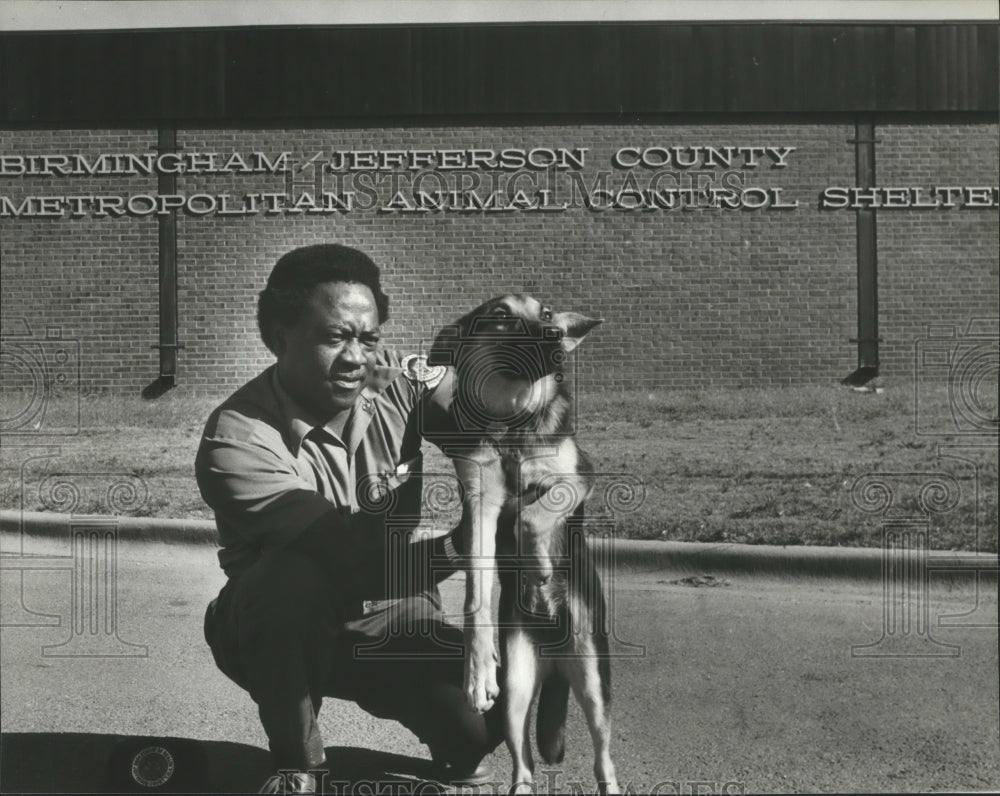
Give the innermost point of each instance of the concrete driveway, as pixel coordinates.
(722, 685)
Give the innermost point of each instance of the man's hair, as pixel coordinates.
(296, 275)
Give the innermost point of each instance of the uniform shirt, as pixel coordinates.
(268, 470)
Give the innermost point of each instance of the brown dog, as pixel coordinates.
(525, 482)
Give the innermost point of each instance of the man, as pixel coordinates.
(312, 469)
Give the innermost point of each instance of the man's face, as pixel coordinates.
(325, 358)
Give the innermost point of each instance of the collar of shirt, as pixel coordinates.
(299, 423)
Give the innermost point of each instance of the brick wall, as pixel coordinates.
(936, 268)
(691, 299)
(95, 280)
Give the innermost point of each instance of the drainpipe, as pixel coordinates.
(868, 339)
(166, 141)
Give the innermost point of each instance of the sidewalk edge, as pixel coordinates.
(630, 555)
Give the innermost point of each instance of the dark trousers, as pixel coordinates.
(277, 631)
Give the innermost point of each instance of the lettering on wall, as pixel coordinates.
(659, 178)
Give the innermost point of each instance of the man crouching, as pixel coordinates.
(286, 463)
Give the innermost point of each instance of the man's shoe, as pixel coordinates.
(294, 782)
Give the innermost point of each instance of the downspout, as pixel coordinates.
(864, 166)
(166, 141)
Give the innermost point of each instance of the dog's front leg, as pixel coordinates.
(482, 478)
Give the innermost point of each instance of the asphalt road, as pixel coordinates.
(750, 686)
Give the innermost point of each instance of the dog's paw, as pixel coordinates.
(521, 788)
(481, 688)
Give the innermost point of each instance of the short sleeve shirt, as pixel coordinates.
(269, 471)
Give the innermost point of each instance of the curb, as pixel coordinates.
(863, 563)
(629, 555)
(130, 529)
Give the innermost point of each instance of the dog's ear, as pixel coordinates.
(574, 326)
(442, 350)
(445, 347)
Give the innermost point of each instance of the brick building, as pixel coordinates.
(688, 183)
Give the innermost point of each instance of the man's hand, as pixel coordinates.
(481, 688)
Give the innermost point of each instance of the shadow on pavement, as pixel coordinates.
(91, 763)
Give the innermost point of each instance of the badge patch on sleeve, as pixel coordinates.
(416, 369)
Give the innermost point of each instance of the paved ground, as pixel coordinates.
(746, 686)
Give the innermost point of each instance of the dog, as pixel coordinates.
(524, 485)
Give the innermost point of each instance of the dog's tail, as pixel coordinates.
(551, 722)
